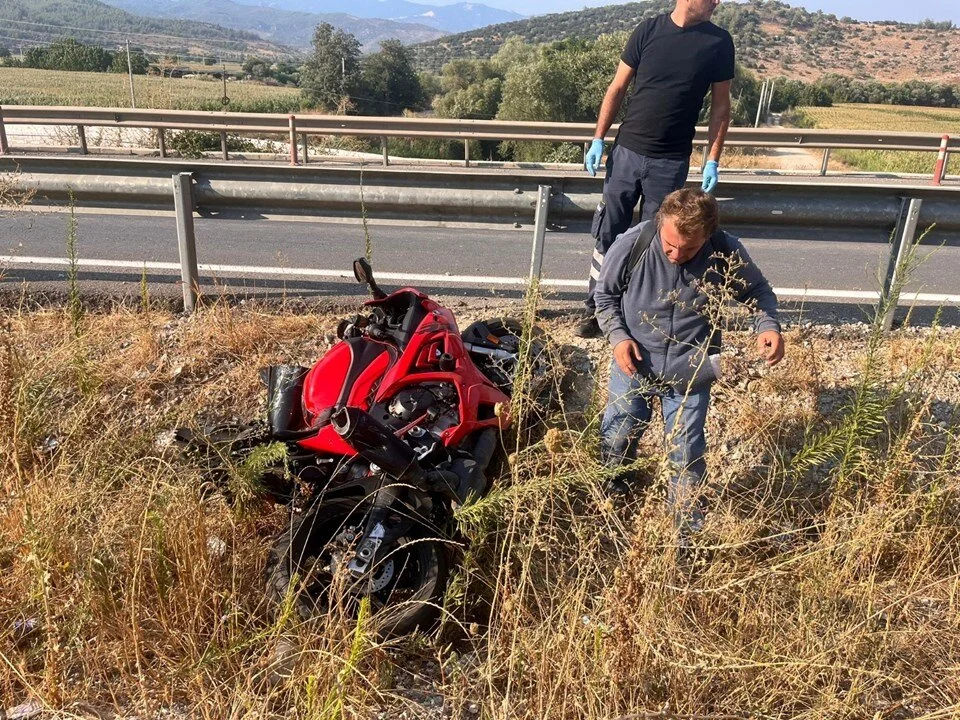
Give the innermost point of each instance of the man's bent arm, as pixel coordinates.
(719, 118)
(608, 294)
(613, 99)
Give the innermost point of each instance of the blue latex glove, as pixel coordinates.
(710, 176)
(594, 156)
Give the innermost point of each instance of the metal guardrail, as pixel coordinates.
(304, 125)
(453, 195)
(530, 198)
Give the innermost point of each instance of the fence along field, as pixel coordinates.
(29, 86)
(886, 117)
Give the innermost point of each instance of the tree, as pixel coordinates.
(388, 82)
(138, 63)
(330, 74)
(256, 67)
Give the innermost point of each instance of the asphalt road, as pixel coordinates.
(276, 247)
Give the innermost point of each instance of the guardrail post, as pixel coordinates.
(81, 131)
(383, 147)
(4, 147)
(223, 144)
(293, 139)
(898, 252)
(939, 169)
(183, 204)
(162, 140)
(825, 161)
(466, 153)
(946, 161)
(539, 232)
(303, 139)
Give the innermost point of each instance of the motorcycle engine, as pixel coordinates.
(410, 404)
(438, 401)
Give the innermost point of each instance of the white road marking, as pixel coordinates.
(7, 261)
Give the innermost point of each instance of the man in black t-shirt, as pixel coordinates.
(674, 59)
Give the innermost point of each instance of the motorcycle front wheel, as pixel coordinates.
(405, 582)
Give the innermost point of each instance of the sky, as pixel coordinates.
(858, 9)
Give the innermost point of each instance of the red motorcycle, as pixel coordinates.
(391, 430)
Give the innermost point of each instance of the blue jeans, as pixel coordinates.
(684, 417)
(630, 178)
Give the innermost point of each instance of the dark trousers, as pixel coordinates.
(630, 178)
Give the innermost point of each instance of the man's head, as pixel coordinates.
(686, 219)
(697, 10)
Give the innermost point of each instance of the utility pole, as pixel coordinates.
(223, 75)
(763, 93)
(133, 99)
(769, 98)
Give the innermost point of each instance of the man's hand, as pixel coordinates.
(769, 345)
(710, 176)
(627, 355)
(594, 156)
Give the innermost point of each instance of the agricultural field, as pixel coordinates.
(885, 117)
(29, 86)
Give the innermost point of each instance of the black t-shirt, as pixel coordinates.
(675, 68)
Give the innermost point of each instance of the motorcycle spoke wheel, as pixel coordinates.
(405, 583)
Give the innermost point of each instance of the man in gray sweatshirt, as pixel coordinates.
(658, 298)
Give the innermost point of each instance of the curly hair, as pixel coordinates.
(694, 212)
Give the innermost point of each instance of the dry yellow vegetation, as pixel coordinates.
(29, 86)
(892, 118)
(831, 590)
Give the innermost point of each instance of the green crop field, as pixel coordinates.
(28, 86)
(897, 118)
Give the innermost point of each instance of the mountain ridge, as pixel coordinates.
(772, 38)
(289, 27)
(39, 22)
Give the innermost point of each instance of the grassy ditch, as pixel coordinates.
(832, 589)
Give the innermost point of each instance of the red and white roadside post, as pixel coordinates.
(941, 160)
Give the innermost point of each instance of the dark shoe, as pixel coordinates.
(588, 328)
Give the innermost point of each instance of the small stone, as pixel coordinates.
(216, 547)
(25, 711)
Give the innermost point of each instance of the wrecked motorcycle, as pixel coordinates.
(391, 430)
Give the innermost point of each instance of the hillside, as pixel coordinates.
(38, 22)
(290, 27)
(772, 38)
(457, 17)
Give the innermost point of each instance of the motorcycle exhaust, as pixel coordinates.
(376, 443)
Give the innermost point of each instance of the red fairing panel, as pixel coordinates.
(370, 371)
(439, 330)
(353, 366)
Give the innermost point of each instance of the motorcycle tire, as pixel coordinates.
(302, 561)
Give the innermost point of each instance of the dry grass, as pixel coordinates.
(832, 590)
(887, 117)
(30, 86)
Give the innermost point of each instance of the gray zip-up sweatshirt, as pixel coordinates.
(664, 306)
